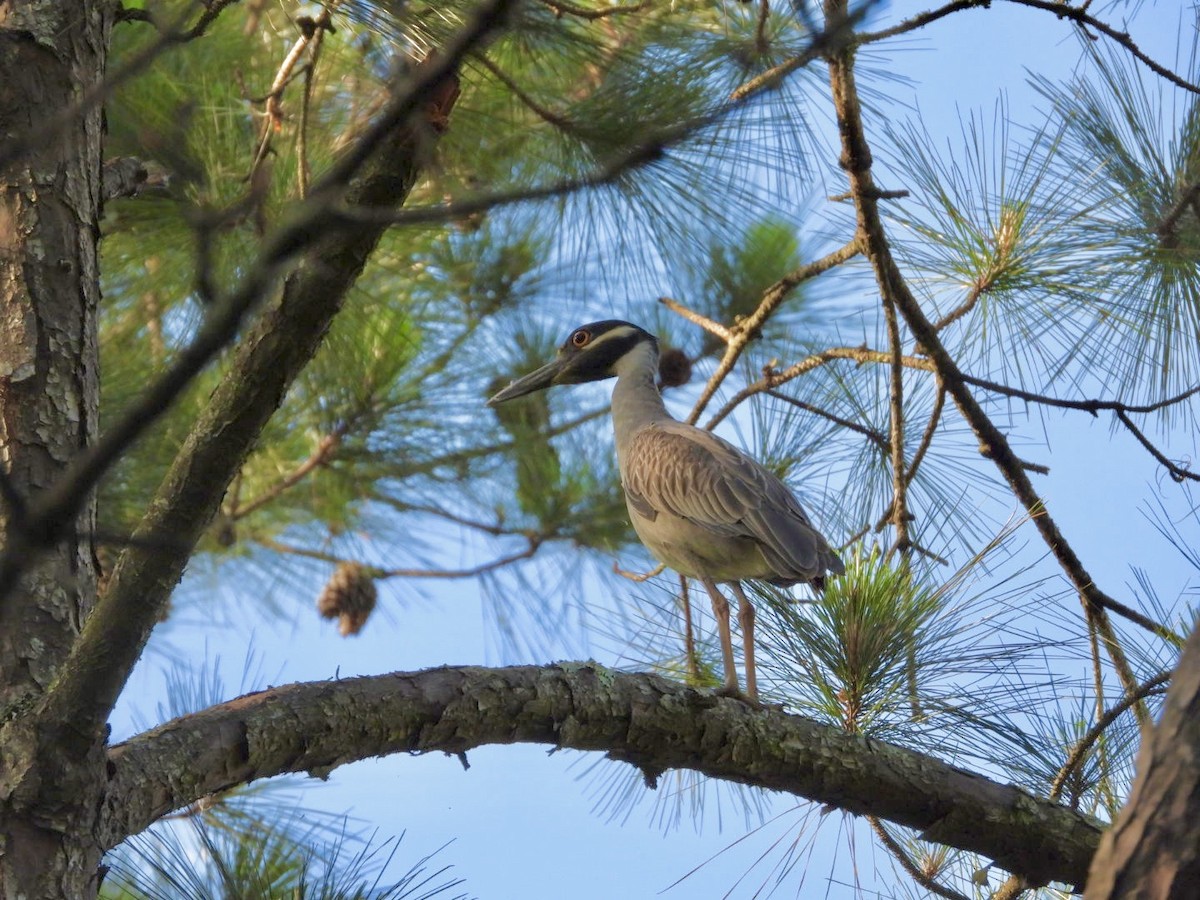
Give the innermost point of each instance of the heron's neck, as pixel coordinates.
(636, 401)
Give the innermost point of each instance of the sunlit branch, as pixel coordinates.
(906, 862)
(171, 36)
(870, 433)
(773, 379)
(310, 35)
(748, 328)
(899, 514)
(856, 161)
(639, 577)
(961, 310)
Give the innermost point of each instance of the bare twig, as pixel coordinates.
(638, 577)
(582, 12)
(325, 450)
(1178, 473)
(927, 437)
(547, 115)
(871, 434)
(900, 515)
(914, 22)
(742, 332)
(714, 328)
(914, 871)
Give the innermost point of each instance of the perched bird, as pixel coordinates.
(700, 505)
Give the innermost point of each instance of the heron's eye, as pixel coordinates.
(581, 337)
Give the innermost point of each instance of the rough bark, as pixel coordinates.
(1153, 849)
(648, 721)
(50, 778)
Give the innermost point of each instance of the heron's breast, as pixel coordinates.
(695, 551)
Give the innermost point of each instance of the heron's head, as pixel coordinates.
(593, 352)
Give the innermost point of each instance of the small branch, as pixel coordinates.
(918, 21)
(649, 721)
(900, 513)
(547, 115)
(1178, 473)
(714, 328)
(1154, 687)
(1166, 228)
(638, 577)
(380, 573)
(751, 326)
(582, 12)
(906, 862)
(760, 32)
(927, 436)
(773, 379)
(870, 433)
(326, 447)
(961, 310)
(1089, 406)
(1080, 16)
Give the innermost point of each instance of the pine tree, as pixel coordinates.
(263, 264)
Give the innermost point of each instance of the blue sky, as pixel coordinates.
(521, 822)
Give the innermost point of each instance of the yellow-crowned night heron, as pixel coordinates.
(699, 504)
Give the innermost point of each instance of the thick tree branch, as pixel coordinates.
(647, 721)
(268, 361)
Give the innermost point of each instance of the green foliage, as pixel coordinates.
(266, 863)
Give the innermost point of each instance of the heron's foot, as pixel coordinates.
(734, 692)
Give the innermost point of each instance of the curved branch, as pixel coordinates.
(645, 720)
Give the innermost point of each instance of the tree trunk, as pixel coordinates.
(51, 54)
(1153, 850)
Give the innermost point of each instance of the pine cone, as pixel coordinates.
(349, 596)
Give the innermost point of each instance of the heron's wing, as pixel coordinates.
(679, 469)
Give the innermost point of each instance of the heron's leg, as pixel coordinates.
(689, 642)
(721, 611)
(746, 620)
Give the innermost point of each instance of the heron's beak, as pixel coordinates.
(538, 380)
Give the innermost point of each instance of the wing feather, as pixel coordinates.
(671, 467)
